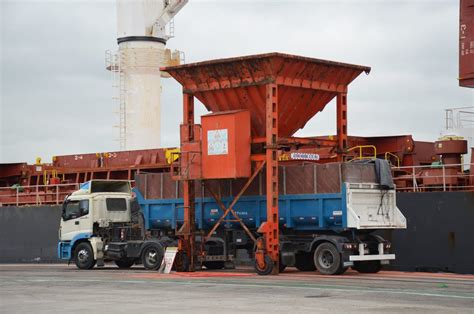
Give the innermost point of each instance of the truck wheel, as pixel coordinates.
(368, 267)
(282, 266)
(328, 260)
(84, 256)
(214, 265)
(125, 263)
(181, 262)
(267, 270)
(152, 256)
(304, 262)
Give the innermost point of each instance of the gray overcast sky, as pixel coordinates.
(56, 93)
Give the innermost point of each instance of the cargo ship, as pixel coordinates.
(434, 182)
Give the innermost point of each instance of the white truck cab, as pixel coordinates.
(102, 221)
(83, 208)
(93, 217)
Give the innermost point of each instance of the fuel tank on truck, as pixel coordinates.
(346, 196)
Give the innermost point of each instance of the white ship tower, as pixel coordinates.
(143, 28)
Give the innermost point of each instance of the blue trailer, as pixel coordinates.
(329, 232)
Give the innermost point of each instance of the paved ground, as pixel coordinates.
(59, 288)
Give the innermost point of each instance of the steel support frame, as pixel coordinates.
(186, 243)
(341, 126)
(270, 227)
(230, 209)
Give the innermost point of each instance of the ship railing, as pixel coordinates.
(46, 194)
(36, 194)
(442, 177)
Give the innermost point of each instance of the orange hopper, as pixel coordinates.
(281, 93)
(305, 86)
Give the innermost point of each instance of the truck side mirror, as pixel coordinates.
(83, 207)
(63, 212)
(84, 211)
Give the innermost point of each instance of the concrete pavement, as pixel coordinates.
(60, 288)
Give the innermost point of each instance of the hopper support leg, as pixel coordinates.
(271, 233)
(341, 109)
(187, 231)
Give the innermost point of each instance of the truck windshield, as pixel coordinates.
(75, 209)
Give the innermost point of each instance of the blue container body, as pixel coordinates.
(301, 212)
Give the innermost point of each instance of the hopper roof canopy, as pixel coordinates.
(305, 86)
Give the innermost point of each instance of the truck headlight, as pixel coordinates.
(106, 247)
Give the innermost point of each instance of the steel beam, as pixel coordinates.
(187, 231)
(271, 235)
(296, 83)
(341, 112)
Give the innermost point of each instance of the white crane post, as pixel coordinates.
(141, 36)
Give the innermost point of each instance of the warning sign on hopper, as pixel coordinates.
(217, 142)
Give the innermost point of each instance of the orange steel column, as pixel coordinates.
(341, 110)
(272, 234)
(188, 229)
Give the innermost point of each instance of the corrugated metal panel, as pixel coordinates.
(306, 178)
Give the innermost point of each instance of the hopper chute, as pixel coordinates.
(305, 86)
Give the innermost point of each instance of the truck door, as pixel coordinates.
(75, 219)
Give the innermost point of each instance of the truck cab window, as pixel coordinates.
(83, 207)
(75, 209)
(116, 204)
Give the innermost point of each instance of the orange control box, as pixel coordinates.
(226, 145)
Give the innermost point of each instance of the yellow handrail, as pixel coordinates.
(46, 175)
(396, 157)
(360, 147)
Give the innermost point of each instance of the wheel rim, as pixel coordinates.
(151, 256)
(259, 268)
(83, 256)
(326, 259)
(268, 267)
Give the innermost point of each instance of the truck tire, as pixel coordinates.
(181, 262)
(282, 266)
(124, 263)
(84, 256)
(304, 261)
(367, 267)
(328, 260)
(152, 256)
(267, 270)
(214, 264)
